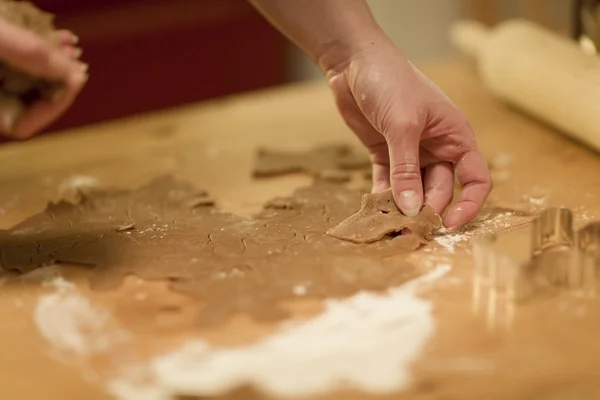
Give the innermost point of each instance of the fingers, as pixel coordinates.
(381, 177)
(474, 176)
(438, 183)
(44, 112)
(66, 38)
(380, 160)
(72, 52)
(67, 41)
(11, 108)
(34, 55)
(405, 172)
(55, 60)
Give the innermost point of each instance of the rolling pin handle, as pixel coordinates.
(469, 37)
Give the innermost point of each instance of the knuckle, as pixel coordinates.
(463, 127)
(379, 153)
(406, 172)
(383, 116)
(462, 122)
(488, 183)
(400, 125)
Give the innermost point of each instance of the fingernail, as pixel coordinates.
(84, 67)
(75, 39)
(410, 204)
(80, 79)
(77, 52)
(454, 218)
(451, 222)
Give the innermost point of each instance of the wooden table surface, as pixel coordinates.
(548, 351)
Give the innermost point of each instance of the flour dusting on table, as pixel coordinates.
(71, 324)
(449, 242)
(367, 342)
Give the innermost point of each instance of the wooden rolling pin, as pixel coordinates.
(538, 71)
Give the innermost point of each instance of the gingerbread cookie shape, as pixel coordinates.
(329, 163)
(379, 217)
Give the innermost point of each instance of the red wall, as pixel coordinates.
(146, 55)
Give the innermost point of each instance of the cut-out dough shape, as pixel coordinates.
(379, 217)
(330, 163)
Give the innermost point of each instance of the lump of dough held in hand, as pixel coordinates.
(379, 217)
(18, 89)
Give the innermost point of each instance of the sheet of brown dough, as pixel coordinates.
(17, 88)
(379, 217)
(231, 263)
(330, 162)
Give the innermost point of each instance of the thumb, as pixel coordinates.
(405, 171)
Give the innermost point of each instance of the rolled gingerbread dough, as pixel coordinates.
(168, 230)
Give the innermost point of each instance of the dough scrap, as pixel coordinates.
(379, 217)
(231, 263)
(330, 162)
(18, 89)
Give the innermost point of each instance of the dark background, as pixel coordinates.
(146, 55)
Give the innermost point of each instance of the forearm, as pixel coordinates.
(331, 32)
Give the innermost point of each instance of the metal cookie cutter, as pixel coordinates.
(534, 262)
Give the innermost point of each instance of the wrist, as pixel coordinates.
(330, 32)
(334, 56)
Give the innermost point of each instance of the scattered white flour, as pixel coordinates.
(450, 241)
(141, 296)
(59, 283)
(583, 217)
(123, 389)
(48, 276)
(70, 189)
(422, 281)
(299, 290)
(501, 160)
(71, 324)
(367, 341)
(499, 166)
(78, 182)
(537, 201)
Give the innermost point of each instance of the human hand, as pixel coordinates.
(416, 137)
(55, 60)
